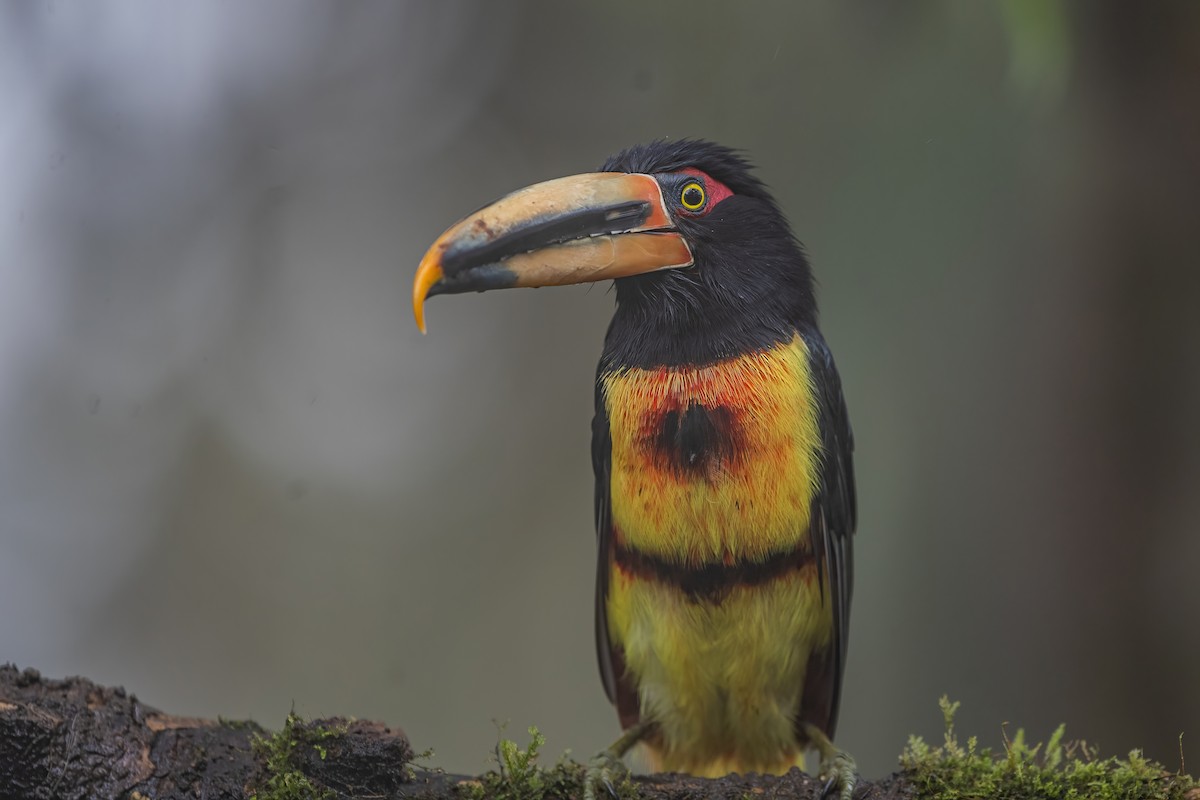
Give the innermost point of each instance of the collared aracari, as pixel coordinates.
(725, 500)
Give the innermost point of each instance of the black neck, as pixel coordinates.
(644, 336)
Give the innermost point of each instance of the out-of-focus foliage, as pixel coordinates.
(1041, 46)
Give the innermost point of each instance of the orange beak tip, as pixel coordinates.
(419, 314)
(429, 273)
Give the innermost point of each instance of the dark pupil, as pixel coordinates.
(692, 196)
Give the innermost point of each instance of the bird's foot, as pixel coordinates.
(837, 766)
(604, 770)
(841, 775)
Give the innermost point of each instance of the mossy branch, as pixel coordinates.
(72, 739)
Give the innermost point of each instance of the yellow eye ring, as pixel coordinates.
(692, 196)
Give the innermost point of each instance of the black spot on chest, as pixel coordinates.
(697, 440)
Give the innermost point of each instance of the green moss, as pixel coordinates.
(520, 777)
(1055, 769)
(420, 761)
(280, 752)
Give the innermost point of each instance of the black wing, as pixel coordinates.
(833, 521)
(611, 658)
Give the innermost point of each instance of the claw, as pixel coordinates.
(607, 764)
(601, 771)
(841, 782)
(837, 766)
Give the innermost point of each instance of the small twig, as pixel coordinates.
(68, 749)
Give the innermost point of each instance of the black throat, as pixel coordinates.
(644, 335)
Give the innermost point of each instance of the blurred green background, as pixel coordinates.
(235, 479)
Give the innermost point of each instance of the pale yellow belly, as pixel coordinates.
(722, 680)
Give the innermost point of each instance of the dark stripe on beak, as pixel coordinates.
(535, 234)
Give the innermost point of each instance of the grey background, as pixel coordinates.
(235, 479)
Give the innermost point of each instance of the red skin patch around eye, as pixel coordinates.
(715, 190)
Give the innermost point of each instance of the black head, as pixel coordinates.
(751, 285)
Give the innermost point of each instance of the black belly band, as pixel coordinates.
(710, 582)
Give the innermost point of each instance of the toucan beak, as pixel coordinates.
(578, 229)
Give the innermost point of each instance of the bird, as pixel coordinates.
(722, 451)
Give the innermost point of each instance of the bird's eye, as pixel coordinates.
(692, 197)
